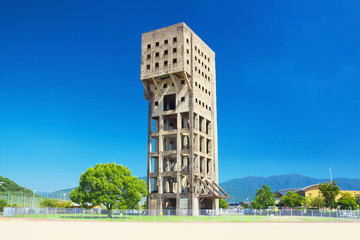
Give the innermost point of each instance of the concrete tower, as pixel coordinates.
(178, 74)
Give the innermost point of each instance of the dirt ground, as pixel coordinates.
(41, 229)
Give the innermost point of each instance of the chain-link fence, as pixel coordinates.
(31, 200)
(230, 215)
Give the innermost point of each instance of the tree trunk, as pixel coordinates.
(109, 212)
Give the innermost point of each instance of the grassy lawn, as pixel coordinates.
(173, 218)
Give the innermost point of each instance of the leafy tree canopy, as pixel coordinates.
(316, 202)
(3, 203)
(110, 185)
(329, 190)
(292, 199)
(223, 204)
(263, 198)
(347, 201)
(55, 203)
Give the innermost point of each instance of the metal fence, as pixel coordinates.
(229, 215)
(20, 199)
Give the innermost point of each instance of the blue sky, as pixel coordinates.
(288, 84)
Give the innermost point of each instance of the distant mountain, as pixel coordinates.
(241, 189)
(8, 186)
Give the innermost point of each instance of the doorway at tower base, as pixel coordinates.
(207, 206)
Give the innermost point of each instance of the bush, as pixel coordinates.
(223, 204)
(64, 204)
(49, 203)
(3, 203)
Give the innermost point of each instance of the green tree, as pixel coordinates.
(223, 204)
(49, 203)
(292, 199)
(316, 202)
(263, 198)
(3, 203)
(110, 185)
(64, 204)
(329, 190)
(347, 201)
(144, 206)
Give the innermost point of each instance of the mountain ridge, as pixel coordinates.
(242, 189)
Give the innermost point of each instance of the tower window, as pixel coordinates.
(148, 56)
(157, 54)
(187, 51)
(165, 63)
(195, 48)
(183, 99)
(174, 49)
(156, 103)
(195, 68)
(187, 61)
(187, 40)
(169, 102)
(195, 58)
(148, 66)
(196, 100)
(149, 46)
(165, 85)
(165, 41)
(157, 44)
(166, 52)
(182, 81)
(174, 60)
(157, 64)
(174, 39)
(195, 83)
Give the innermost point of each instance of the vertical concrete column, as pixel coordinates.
(178, 143)
(203, 125)
(178, 160)
(196, 121)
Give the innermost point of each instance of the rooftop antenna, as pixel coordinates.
(330, 175)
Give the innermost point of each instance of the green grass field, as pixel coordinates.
(172, 218)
